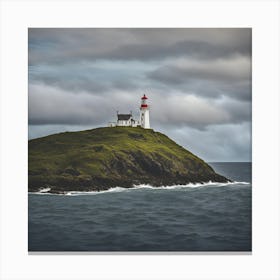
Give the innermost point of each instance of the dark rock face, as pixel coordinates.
(103, 158)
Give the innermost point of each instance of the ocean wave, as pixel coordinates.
(192, 185)
(142, 186)
(44, 190)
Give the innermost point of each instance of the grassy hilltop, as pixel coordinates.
(106, 157)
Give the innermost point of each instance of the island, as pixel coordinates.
(106, 157)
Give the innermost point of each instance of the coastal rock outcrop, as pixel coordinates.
(102, 158)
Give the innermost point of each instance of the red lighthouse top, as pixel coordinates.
(143, 102)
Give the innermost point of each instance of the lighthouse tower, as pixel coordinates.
(144, 113)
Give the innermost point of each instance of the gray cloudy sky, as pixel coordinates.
(198, 82)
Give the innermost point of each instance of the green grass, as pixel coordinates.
(109, 153)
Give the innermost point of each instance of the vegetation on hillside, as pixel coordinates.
(107, 157)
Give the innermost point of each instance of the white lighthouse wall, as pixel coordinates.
(144, 118)
(141, 120)
(147, 119)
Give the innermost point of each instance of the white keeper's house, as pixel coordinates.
(128, 120)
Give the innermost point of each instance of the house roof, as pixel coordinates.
(124, 117)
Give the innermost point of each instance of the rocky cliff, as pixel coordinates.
(102, 158)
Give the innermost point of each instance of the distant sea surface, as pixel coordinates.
(195, 217)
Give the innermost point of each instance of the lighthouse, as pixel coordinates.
(144, 113)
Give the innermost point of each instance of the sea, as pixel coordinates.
(210, 217)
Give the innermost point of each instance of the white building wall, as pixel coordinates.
(135, 124)
(124, 122)
(120, 123)
(112, 124)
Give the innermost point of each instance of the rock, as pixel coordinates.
(102, 158)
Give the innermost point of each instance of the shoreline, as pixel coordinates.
(48, 191)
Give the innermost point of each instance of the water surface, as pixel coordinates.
(210, 217)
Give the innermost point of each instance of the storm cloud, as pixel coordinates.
(198, 82)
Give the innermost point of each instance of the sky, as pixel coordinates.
(197, 80)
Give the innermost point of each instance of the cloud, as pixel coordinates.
(59, 45)
(51, 105)
(217, 143)
(100, 77)
(188, 110)
(181, 110)
(230, 76)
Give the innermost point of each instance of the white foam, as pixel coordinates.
(115, 189)
(192, 185)
(41, 193)
(44, 190)
(143, 186)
